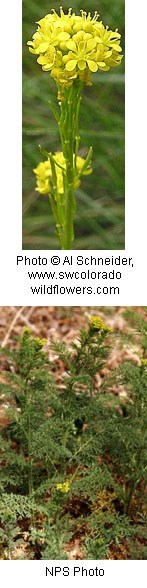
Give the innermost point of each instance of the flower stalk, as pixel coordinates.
(70, 47)
(69, 134)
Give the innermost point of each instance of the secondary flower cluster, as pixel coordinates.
(39, 343)
(97, 324)
(71, 47)
(44, 176)
(63, 487)
(144, 362)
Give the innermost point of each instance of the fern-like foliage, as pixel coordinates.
(73, 460)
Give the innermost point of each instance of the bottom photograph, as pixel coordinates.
(73, 433)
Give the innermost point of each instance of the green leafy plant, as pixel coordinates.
(73, 459)
(70, 47)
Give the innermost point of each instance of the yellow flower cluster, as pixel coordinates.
(71, 46)
(44, 177)
(63, 487)
(144, 362)
(27, 331)
(97, 324)
(40, 342)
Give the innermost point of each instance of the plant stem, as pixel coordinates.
(69, 212)
(69, 133)
(9, 548)
(30, 477)
(135, 480)
(129, 498)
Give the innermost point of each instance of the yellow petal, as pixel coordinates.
(91, 44)
(71, 45)
(71, 64)
(43, 47)
(98, 39)
(81, 45)
(32, 50)
(114, 35)
(87, 172)
(82, 65)
(46, 67)
(63, 36)
(92, 65)
(106, 68)
(108, 54)
(101, 63)
(41, 59)
(116, 47)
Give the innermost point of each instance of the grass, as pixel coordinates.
(99, 220)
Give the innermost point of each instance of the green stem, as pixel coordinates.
(80, 449)
(56, 217)
(9, 548)
(69, 212)
(28, 432)
(135, 481)
(130, 495)
(69, 133)
(30, 473)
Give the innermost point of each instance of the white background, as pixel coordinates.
(13, 289)
(117, 574)
(16, 285)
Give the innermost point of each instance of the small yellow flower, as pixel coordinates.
(47, 39)
(62, 21)
(27, 331)
(40, 342)
(48, 59)
(144, 362)
(43, 171)
(43, 342)
(64, 488)
(82, 53)
(109, 39)
(96, 323)
(86, 23)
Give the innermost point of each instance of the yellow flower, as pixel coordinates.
(144, 362)
(72, 46)
(44, 40)
(62, 21)
(109, 39)
(48, 59)
(96, 323)
(43, 172)
(63, 487)
(86, 23)
(40, 342)
(79, 164)
(82, 53)
(44, 178)
(27, 331)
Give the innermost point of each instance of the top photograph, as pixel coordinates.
(73, 125)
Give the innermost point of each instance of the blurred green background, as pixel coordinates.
(99, 220)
